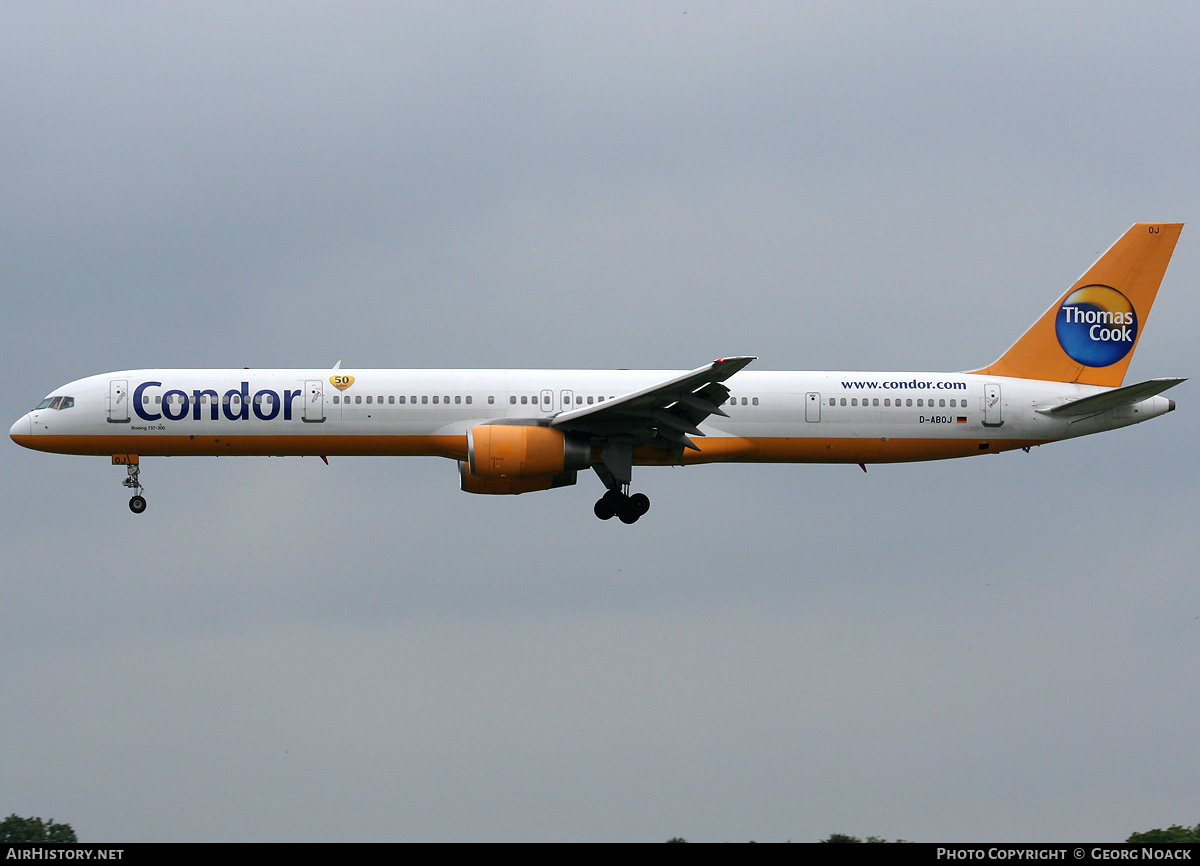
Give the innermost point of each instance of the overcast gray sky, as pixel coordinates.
(1001, 648)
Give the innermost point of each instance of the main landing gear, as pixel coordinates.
(137, 502)
(615, 503)
(615, 470)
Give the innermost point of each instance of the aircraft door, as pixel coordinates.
(547, 404)
(568, 400)
(314, 401)
(812, 406)
(118, 401)
(993, 406)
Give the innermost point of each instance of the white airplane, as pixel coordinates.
(517, 431)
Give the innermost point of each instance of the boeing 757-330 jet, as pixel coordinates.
(519, 431)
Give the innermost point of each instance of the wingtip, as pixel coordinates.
(743, 360)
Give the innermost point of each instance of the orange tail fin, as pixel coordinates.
(1090, 333)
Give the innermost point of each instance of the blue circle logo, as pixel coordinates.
(1096, 326)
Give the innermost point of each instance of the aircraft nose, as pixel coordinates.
(23, 427)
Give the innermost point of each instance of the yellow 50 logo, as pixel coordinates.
(341, 382)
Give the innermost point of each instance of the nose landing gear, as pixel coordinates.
(137, 502)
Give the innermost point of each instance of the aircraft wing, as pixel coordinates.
(662, 415)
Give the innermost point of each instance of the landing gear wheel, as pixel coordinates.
(633, 507)
(137, 504)
(614, 503)
(609, 504)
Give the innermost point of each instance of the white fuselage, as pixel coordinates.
(840, 417)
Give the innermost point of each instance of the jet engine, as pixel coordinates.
(514, 451)
(499, 486)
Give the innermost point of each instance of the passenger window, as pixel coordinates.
(457, 399)
(843, 401)
(908, 402)
(335, 398)
(391, 399)
(512, 399)
(468, 399)
(435, 399)
(941, 403)
(424, 399)
(524, 400)
(402, 399)
(754, 401)
(853, 401)
(589, 401)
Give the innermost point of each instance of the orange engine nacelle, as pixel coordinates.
(524, 451)
(500, 486)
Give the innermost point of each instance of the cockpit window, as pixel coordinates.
(56, 403)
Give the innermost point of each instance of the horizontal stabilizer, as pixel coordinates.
(1127, 396)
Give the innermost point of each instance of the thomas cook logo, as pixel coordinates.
(1096, 326)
